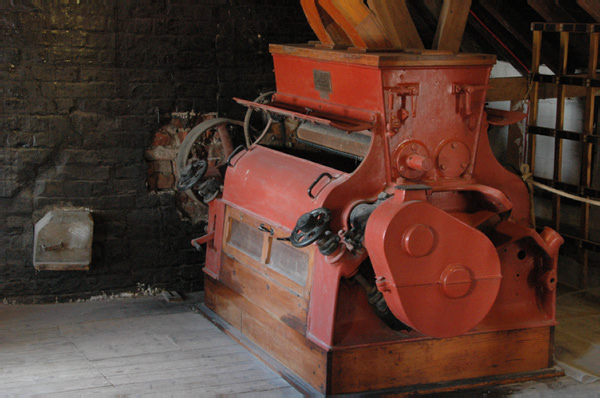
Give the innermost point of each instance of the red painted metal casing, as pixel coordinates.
(452, 247)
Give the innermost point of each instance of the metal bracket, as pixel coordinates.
(383, 285)
(466, 91)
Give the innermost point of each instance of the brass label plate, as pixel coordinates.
(322, 80)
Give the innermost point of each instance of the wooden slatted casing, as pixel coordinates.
(428, 361)
(257, 299)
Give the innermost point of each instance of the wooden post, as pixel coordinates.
(586, 158)
(515, 137)
(533, 98)
(560, 121)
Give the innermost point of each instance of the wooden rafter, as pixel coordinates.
(451, 25)
(397, 23)
(328, 32)
(591, 7)
(503, 17)
(510, 51)
(358, 22)
(550, 11)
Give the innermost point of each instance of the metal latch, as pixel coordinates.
(264, 228)
(397, 112)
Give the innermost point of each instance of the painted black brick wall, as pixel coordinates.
(83, 83)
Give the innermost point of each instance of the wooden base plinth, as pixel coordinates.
(406, 365)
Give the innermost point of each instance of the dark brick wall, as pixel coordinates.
(83, 87)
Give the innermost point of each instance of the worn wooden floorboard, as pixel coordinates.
(274, 393)
(204, 371)
(159, 369)
(14, 338)
(36, 349)
(124, 347)
(104, 391)
(31, 317)
(578, 335)
(167, 357)
(9, 372)
(61, 353)
(65, 384)
(152, 348)
(237, 381)
(31, 379)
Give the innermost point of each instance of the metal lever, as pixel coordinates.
(209, 237)
(315, 183)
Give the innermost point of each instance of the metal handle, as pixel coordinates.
(232, 154)
(316, 182)
(265, 229)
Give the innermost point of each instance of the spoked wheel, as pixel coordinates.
(212, 141)
(310, 227)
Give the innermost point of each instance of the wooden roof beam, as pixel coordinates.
(550, 11)
(359, 23)
(517, 89)
(397, 23)
(451, 25)
(591, 7)
(496, 11)
(329, 33)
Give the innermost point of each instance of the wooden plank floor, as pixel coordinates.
(147, 347)
(578, 334)
(141, 346)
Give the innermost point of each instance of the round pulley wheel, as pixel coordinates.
(438, 275)
(310, 227)
(211, 141)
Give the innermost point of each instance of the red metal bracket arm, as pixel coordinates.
(203, 239)
(498, 117)
(309, 115)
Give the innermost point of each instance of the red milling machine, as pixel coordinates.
(372, 241)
